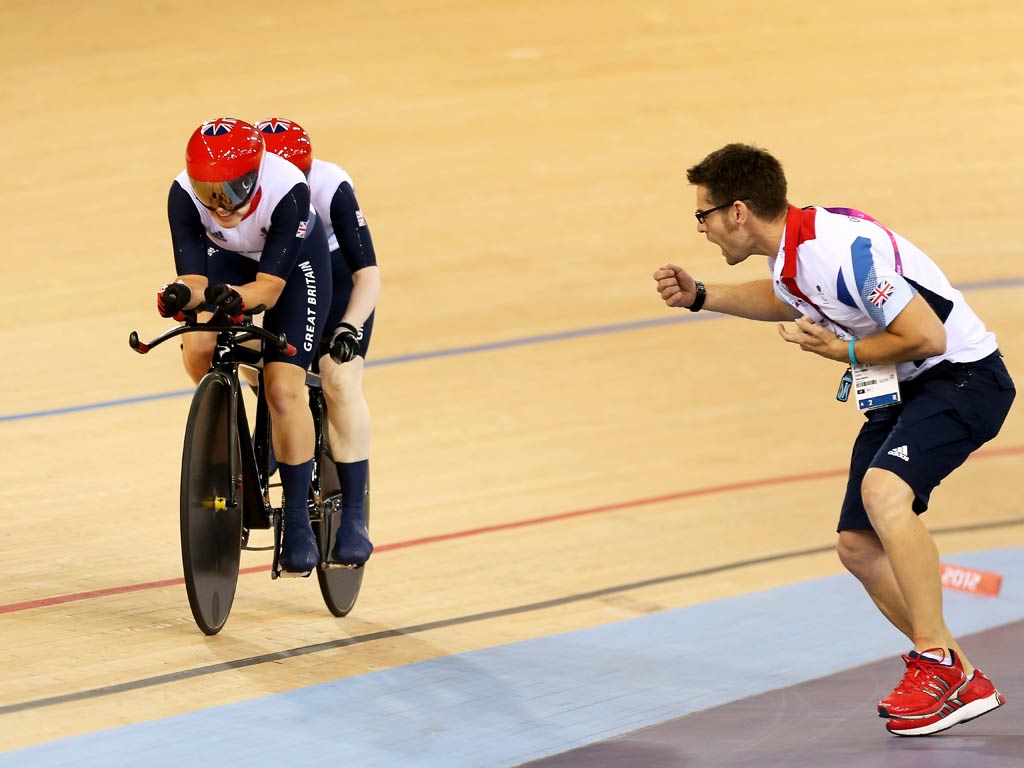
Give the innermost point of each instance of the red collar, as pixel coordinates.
(799, 229)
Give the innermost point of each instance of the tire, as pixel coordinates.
(211, 532)
(339, 586)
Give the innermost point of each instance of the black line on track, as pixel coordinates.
(212, 669)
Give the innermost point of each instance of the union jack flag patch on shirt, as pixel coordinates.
(303, 225)
(882, 293)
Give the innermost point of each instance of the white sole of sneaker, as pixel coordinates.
(976, 708)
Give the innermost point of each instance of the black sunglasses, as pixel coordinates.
(701, 215)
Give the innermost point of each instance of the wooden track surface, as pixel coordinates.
(522, 168)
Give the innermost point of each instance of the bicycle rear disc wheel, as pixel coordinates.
(339, 586)
(211, 531)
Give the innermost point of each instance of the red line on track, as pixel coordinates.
(708, 491)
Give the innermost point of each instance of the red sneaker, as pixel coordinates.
(974, 700)
(925, 687)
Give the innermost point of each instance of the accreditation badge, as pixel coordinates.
(876, 386)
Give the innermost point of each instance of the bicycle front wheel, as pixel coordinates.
(211, 527)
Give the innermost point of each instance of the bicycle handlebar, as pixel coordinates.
(219, 322)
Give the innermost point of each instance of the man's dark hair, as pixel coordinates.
(743, 172)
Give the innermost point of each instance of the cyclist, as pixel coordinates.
(343, 350)
(244, 233)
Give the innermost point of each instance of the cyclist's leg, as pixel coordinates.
(349, 418)
(343, 384)
(300, 313)
(293, 446)
(349, 412)
(197, 351)
(349, 422)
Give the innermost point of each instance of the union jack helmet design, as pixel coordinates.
(222, 160)
(288, 139)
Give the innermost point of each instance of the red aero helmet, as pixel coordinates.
(289, 140)
(223, 162)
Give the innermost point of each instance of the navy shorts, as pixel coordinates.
(301, 311)
(341, 289)
(946, 414)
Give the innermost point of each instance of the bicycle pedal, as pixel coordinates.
(345, 566)
(281, 573)
(294, 574)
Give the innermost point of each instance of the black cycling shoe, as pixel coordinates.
(299, 552)
(352, 544)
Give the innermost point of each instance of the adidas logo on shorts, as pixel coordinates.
(900, 453)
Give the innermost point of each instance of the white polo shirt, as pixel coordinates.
(856, 276)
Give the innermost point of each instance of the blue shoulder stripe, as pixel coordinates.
(864, 276)
(843, 292)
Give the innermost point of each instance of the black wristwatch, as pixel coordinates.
(702, 294)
